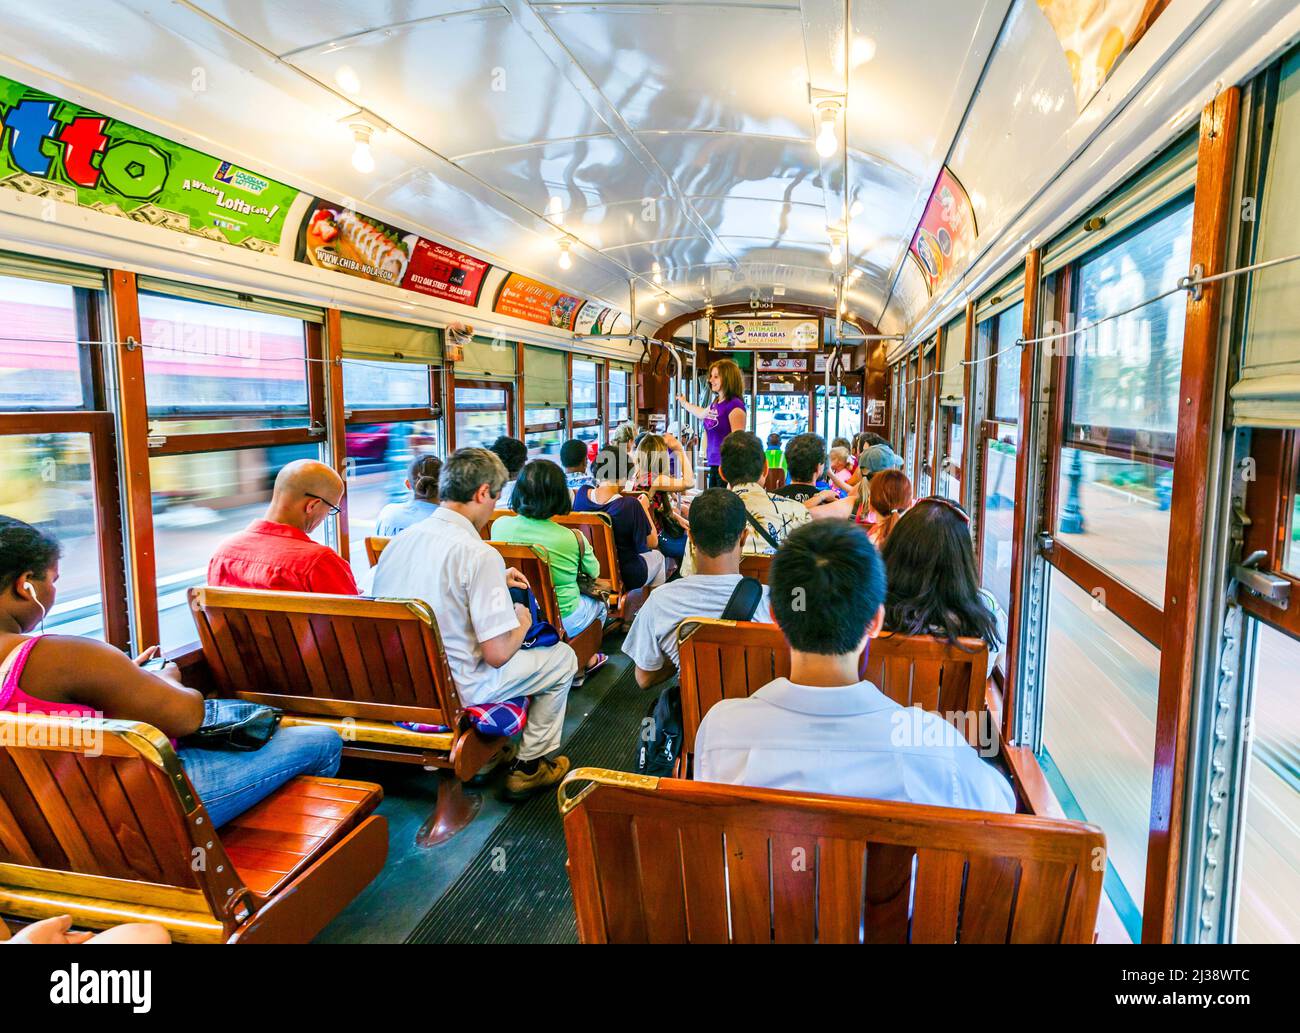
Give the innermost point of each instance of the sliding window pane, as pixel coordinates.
(1009, 328)
(384, 385)
(544, 444)
(1099, 726)
(47, 483)
(1269, 908)
(586, 396)
(998, 512)
(379, 458)
(482, 416)
(1115, 487)
(618, 397)
(40, 361)
(198, 500)
(200, 357)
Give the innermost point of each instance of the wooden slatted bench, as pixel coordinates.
(355, 665)
(667, 861)
(598, 529)
(720, 659)
(99, 821)
(530, 560)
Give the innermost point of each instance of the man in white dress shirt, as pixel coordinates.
(717, 529)
(822, 729)
(443, 561)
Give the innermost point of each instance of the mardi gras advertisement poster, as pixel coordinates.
(946, 235)
(536, 302)
(58, 150)
(1094, 33)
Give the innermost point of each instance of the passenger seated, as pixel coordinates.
(718, 526)
(662, 469)
(445, 562)
(823, 729)
(541, 493)
(636, 541)
(805, 459)
(573, 457)
(775, 457)
(79, 677)
(872, 460)
(275, 554)
(841, 467)
(513, 453)
(422, 483)
(889, 497)
(934, 587)
(58, 931)
(774, 517)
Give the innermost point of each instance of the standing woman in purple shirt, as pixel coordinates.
(727, 413)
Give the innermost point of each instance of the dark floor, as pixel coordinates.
(414, 878)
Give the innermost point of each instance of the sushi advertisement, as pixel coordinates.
(337, 238)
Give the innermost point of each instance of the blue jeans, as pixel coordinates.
(588, 610)
(228, 782)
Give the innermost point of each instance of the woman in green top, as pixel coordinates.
(540, 493)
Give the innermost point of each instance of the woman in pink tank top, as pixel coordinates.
(68, 676)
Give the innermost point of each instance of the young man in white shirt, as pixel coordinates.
(443, 561)
(718, 527)
(823, 729)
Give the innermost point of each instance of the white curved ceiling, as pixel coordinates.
(672, 133)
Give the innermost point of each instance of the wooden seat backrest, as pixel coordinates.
(497, 514)
(668, 861)
(598, 529)
(375, 547)
(756, 566)
(731, 660)
(774, 478)
(332, 655)
(927, 672)
(720, 660)
(107, 804)
(530, 560)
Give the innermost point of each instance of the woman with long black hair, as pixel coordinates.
(933, 588)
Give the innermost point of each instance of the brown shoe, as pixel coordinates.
(520, 786)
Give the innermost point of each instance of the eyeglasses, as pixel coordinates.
(334, 510)
(943, 500)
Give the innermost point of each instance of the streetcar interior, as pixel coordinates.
(1042, 257)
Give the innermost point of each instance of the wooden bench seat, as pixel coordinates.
(668, 861)
(355, 665)
(116, 834)
(530, 560)
(720, 659)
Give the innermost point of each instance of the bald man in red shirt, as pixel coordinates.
(276, 554)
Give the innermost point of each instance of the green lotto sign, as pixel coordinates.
(55, 149)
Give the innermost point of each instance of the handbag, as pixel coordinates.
(587, 584)
(541, 633)
(233, 724)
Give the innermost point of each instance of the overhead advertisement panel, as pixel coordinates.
(336, 237)
(946, 236)
(537, 302)
(1095, 34)
(768, 333)
(55, 149)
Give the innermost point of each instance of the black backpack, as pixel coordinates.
(660, 739)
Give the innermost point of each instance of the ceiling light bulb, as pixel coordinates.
(837, 251)
(827, 142)
(565, 261)
(362, 160)
(661, 309)
(657, 276)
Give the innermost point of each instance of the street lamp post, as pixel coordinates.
(1071, 511)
